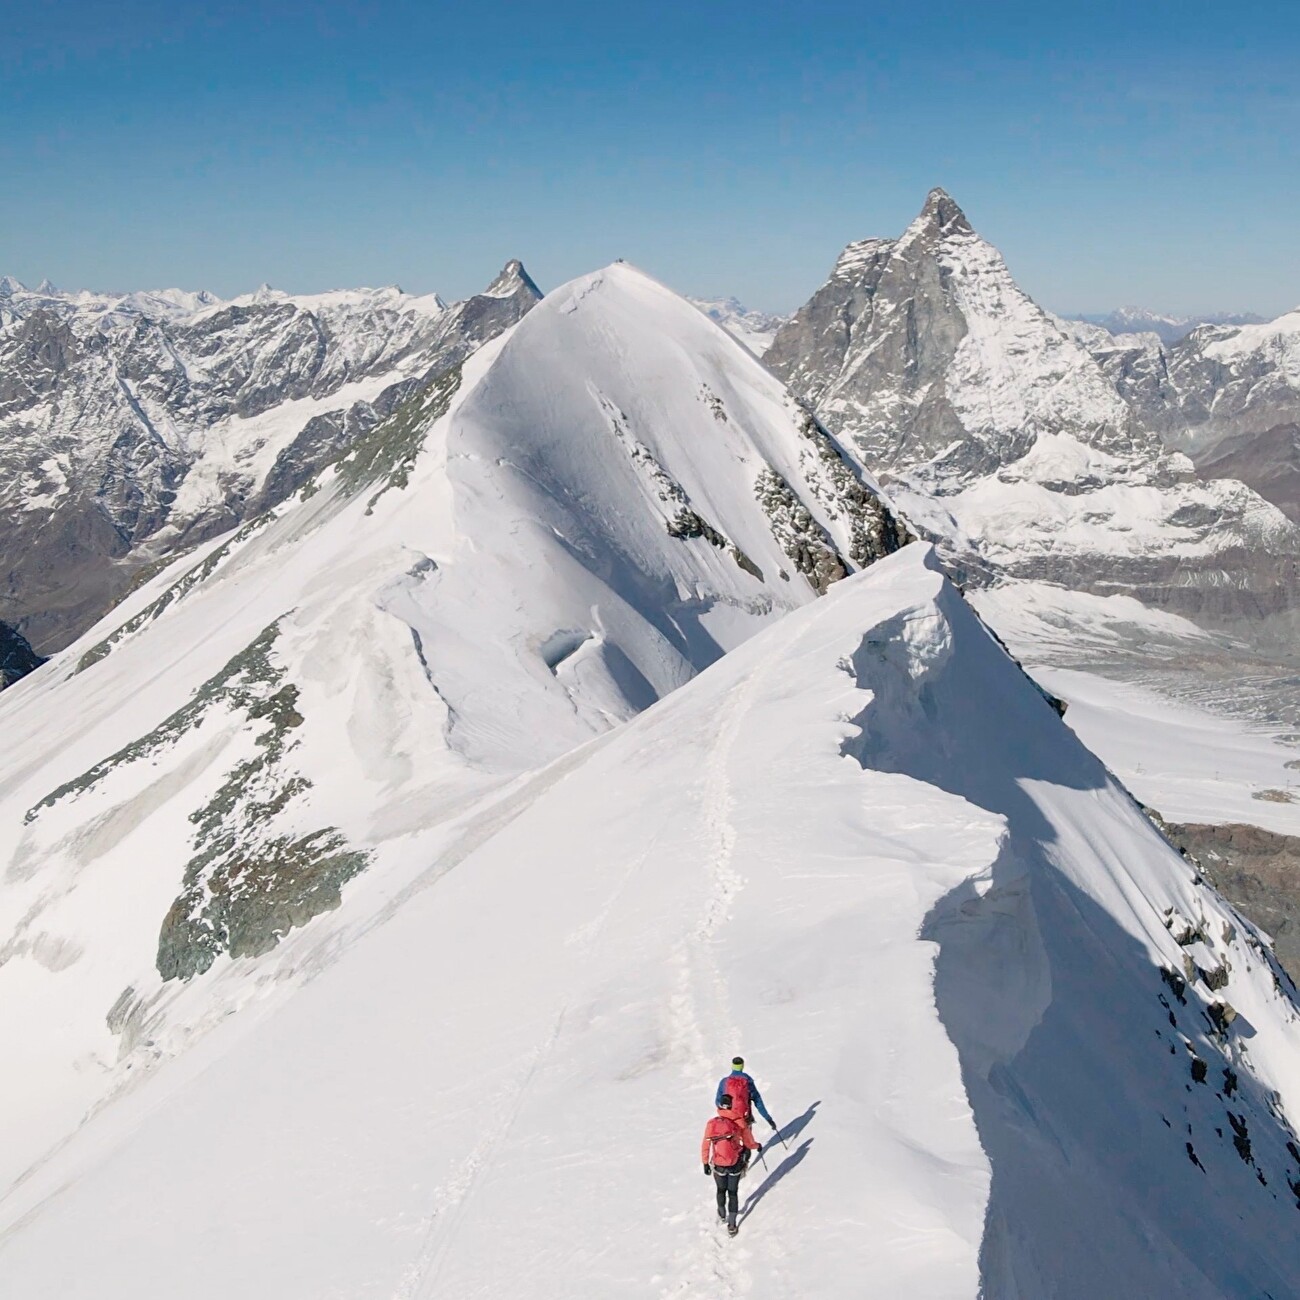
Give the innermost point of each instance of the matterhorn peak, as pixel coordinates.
(941, 215)
(511, 280)
(46, 286)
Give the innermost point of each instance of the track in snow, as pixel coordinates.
(715, 1265)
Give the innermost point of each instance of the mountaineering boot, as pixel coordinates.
(732, 1227)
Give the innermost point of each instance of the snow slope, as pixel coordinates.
(537, 547)
(863, 850)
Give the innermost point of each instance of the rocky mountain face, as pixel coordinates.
(1269, 462)
(1218, 382)
(135, 427)
(925, 352)
(1008, 435)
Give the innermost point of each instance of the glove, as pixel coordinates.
(707, 1171)
(771, 1125)
(758, 1150)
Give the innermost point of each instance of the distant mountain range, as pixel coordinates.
(1169, 329)
(755, 329)
(135, 426)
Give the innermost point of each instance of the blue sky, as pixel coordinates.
(1145, 153)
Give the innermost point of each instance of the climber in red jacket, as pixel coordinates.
(725, 1155)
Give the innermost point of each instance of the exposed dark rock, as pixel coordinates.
(384, 456)
(801, 537)
(1257, 871)
(17, 658)
(247, 886)
(1221, 1015)
(248, 903)
(1240, 1136)
(1177, 985)
(247, 883)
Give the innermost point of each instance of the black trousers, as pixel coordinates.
(728, 1181)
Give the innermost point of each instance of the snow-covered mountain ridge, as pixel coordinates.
(511, 774)
(138, 425)
(593, 508)
(1017, 1048)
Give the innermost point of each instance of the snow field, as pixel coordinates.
(551, 1069)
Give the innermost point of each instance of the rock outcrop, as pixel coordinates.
(17, 658)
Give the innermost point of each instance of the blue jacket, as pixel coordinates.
(754, 1095)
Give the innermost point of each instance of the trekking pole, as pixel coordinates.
(781, 1136)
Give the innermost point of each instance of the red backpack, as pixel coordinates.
(736, 1086)
(724, 1142)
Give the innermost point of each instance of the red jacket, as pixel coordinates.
(723, 1140)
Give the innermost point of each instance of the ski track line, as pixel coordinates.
(706, 1267)
(450, 1197)
(716, 1266)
